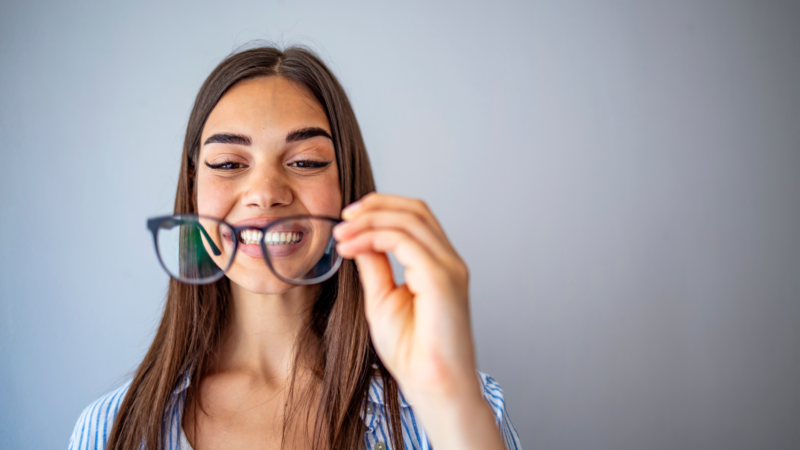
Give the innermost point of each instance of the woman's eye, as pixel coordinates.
(226, 165)
(308, 164)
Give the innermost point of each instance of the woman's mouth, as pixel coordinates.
(249, 237)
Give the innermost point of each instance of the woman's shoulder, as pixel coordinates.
(377, 427)
(493, 394)
(95, 422)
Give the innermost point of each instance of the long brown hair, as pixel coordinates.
(195, 316)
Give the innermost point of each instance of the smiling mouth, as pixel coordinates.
(271, 238)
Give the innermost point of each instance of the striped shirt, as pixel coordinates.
(94, 425)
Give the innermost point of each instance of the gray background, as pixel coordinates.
(623, 179)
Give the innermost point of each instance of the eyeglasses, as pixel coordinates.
(200, 250)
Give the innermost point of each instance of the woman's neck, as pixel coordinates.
(262, 331)
(245, 387)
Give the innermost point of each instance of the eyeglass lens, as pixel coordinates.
(301, 250)
(192, 249)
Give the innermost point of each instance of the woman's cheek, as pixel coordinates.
(327, 198)
(214, 199)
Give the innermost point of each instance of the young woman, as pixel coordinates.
(312, 348)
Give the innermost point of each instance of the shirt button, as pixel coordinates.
(380, 446)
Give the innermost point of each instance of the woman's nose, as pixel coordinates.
(267, 189)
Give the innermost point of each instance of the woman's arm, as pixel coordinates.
(421, 329)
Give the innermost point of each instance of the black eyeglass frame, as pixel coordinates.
(157, 223)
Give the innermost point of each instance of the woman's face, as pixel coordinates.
(266, 153)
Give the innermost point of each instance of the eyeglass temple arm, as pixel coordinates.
(214, 248)
(153, 225)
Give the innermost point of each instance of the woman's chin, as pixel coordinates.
(259, 283)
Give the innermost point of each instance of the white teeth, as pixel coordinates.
(282, 237)
(273, 238)
(251, 236)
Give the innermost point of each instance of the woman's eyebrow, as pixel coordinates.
(227, 138)
(306, 133)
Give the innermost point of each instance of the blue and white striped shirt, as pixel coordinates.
(94, 425)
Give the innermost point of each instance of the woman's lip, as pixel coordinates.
(276, 251)
(262, 222)
(252, 250)
(257, 222)
(280, 250)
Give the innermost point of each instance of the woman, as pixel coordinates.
(266, 357)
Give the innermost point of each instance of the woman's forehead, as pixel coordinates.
(266, 107)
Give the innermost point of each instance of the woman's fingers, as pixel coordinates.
(376, 278)
(424, 274)
(375, 201)
(405, 227)
(399, 221)
(408, 251)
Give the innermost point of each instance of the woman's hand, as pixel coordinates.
(420, 329)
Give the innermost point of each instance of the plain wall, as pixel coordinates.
(622, 177)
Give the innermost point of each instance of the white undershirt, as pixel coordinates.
(185, 445)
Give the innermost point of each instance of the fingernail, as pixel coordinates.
(351, 208)
(337, 229)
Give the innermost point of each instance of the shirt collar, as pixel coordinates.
(376, 393)
(373, 410)
(183, 383)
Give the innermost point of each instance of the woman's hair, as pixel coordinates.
(335, 339)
